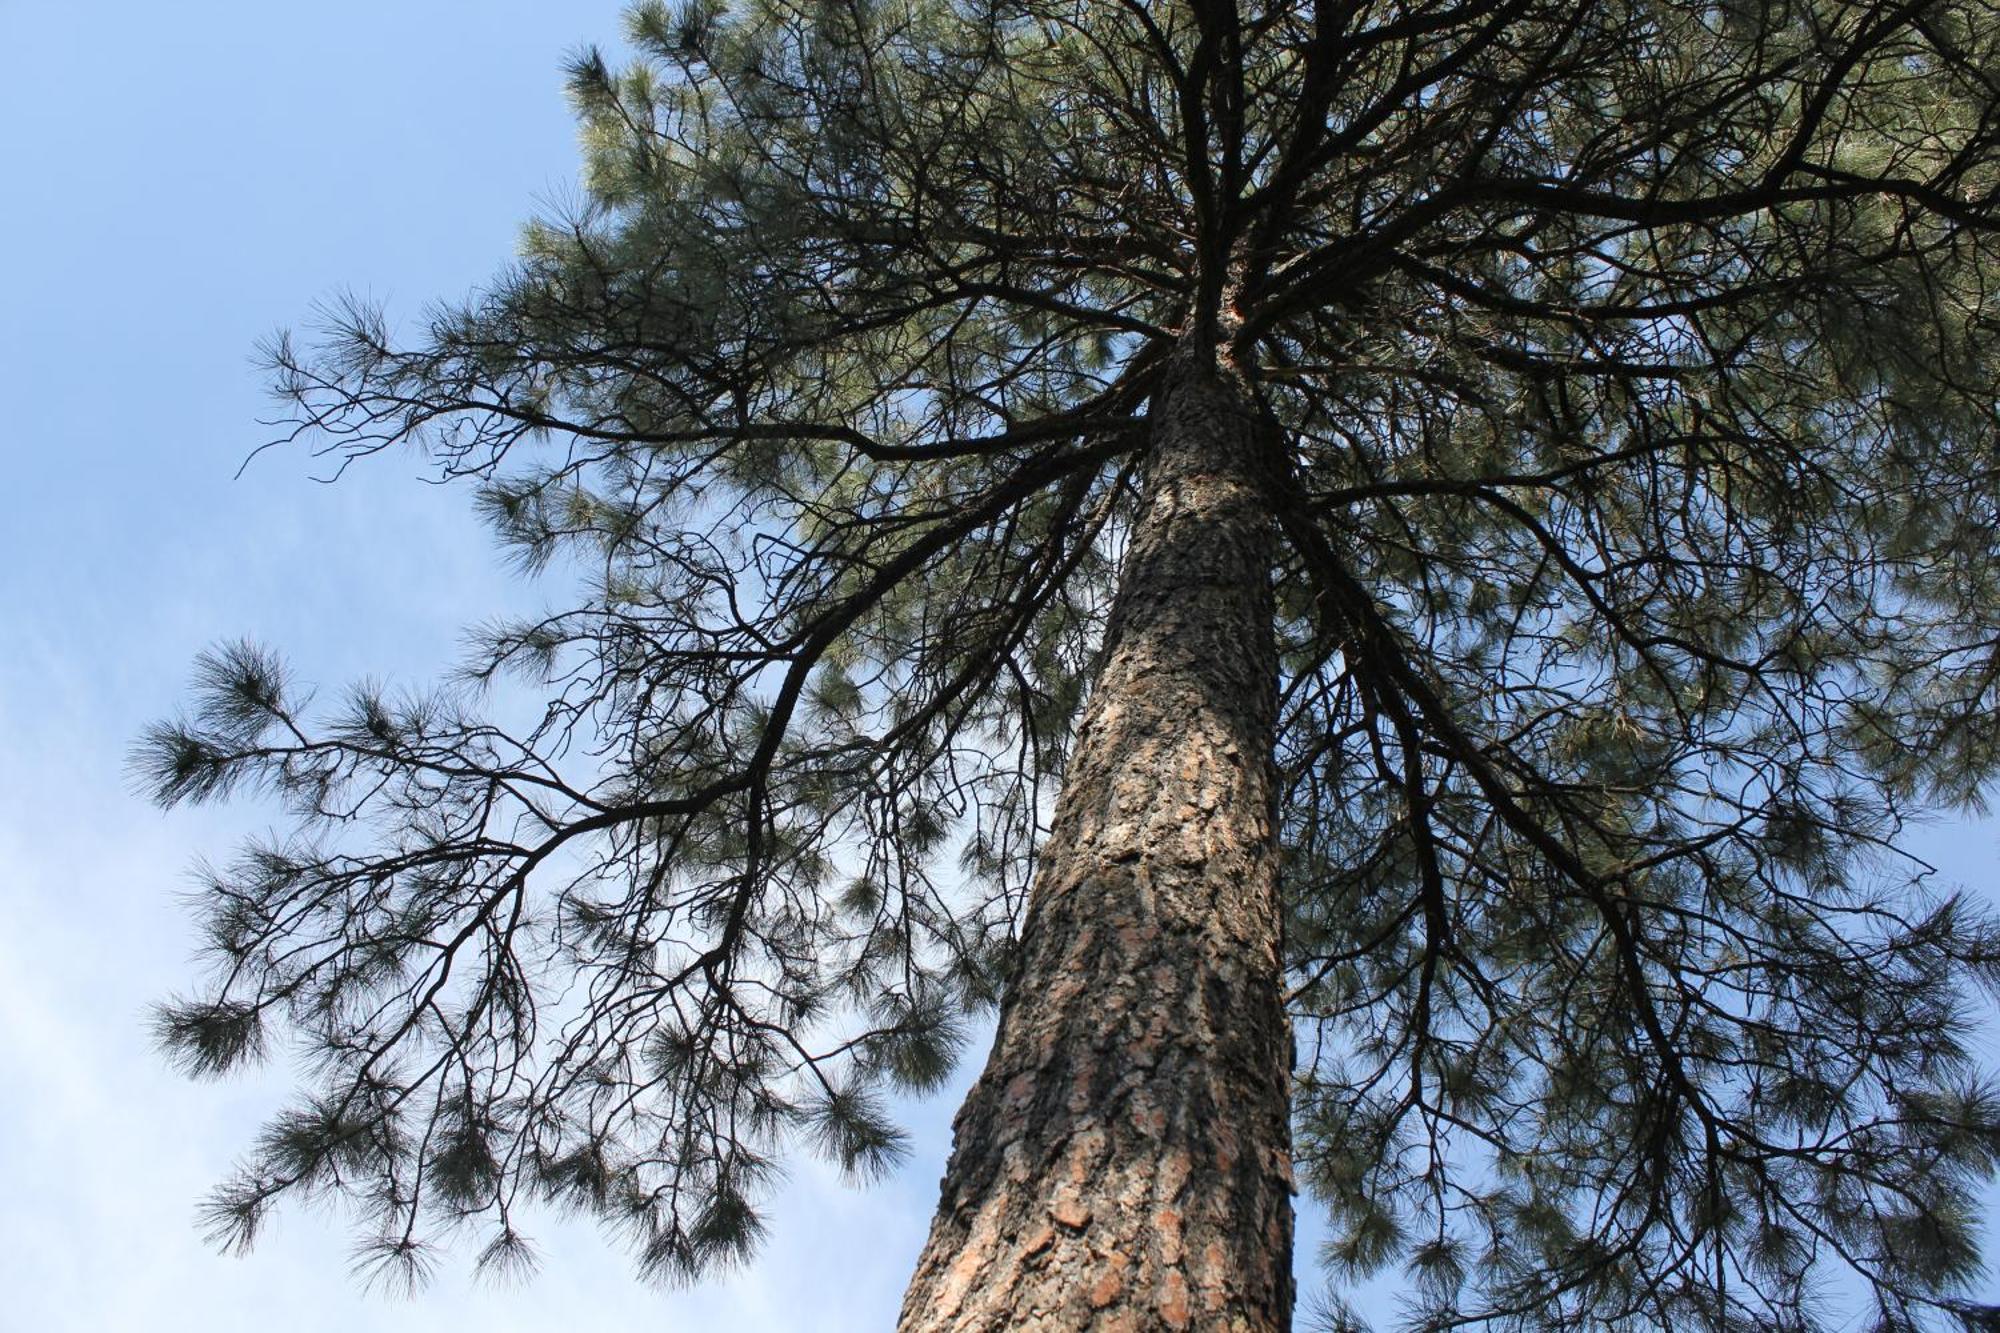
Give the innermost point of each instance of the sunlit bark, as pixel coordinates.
(1124, 1160)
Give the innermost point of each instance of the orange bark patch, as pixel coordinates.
(1070, 1210)
(1215, 1272)
(1168, 1223)
(1174, 1301)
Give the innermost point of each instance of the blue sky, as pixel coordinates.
(180, 180)
(175, 182)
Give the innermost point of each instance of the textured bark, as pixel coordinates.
(1124, 1161)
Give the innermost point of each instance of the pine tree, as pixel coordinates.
(1383, 580)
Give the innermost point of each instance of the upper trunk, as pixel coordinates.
(1123, 1163)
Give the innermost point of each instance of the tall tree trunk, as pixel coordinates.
(1124, 1161)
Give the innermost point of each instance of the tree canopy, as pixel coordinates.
(1629, 375)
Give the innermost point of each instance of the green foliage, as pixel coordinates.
(850, 1127)
(209, 1038)
(1628, 376)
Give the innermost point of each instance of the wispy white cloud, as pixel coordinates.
(105, 1153)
